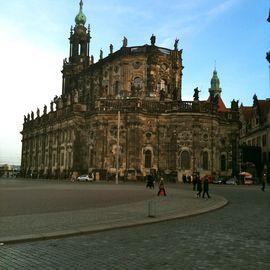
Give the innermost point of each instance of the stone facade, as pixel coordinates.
(157, 129)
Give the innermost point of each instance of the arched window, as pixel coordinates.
(223, 163)
(205, 161)
(148, 159)
(185, 160)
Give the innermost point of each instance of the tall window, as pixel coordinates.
(205, 161)
(116, 88)
(148, 159)
(62, 159)
(264, 140)
(185, 160)
(223, 163)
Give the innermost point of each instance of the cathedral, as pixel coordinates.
(125, 112)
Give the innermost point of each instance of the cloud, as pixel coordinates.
(221, 8)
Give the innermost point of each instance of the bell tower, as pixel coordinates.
(78, 53)
(215, 89)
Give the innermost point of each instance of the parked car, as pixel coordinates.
(219, 181)
(232, 181)
(85, 178)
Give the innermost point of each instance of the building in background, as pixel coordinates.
(255, 133)
(158, 131)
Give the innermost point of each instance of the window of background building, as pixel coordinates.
(264, 157)
(185, 160)
(223, 163)
(147, 159)
(264, 140)
(259, 141)
(205, 160)
(116, 88)
(62, 159)
(257, 121)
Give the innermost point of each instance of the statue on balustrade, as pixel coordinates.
(153, 39)
(196, 94)
(234, 105)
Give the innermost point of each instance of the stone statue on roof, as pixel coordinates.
(111, 48)
(196, 94)
(101, 54)
(125, 42)
(176, 44)
(45, 109)
(153, 40)
(234, 105)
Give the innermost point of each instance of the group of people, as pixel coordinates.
(202, 187)
(150, 182)
(199, 185)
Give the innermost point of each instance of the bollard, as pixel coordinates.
(151, 209)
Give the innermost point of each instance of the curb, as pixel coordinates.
(99, 228)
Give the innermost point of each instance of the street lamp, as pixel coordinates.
(117, 148)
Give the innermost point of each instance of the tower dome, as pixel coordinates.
(215, 81)
(215, 89)
(80, 19)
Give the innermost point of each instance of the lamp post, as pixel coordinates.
(117, 148)
(268, 53)
(158, 145)
(268, 59)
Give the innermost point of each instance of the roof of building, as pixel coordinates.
(247, 112)
(221, 105)
(263, 107)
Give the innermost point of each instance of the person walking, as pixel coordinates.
(194, 181)
(199, 187)
(150, 181)
(161, 191)
(263, 182)
(206, 188)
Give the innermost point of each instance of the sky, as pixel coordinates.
(231, 35)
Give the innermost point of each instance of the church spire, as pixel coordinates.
(215, 89)
(80, 19)
(79, 50)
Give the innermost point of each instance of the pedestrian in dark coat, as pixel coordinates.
(194, 182)
(206, 188)
(150, 181)
(199, 187)
(263, 182)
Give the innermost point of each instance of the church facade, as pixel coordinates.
(126, 111)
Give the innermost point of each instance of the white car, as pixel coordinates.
(84, 178)
(231, 181)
